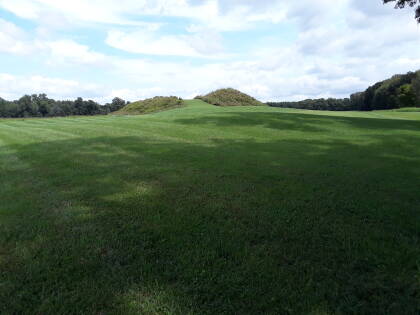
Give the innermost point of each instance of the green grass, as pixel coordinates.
(408, 109)
(151, 105)
(211, 210)
(229, 97)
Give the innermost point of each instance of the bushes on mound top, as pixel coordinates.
(229, 97)
(151, 105)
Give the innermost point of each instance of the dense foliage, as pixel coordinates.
(397, 92)
(403, 3)
(151, 105)
(229, 97)
(317, 104)
(42, 106)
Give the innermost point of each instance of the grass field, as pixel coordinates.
(210, 210)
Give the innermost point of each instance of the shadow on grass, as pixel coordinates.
(132, 225)
(301, 122)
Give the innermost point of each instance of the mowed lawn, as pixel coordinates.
(209, 210)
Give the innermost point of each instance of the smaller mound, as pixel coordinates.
(229, 97)
(151, 105)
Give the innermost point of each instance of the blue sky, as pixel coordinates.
(271, 49)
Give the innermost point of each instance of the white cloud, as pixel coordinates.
(13, 86)
(13, 39)
(339, 48)
(197, 44)
(145, 43)
(68, 51)
(22, 8)
(212, 13)
(74, 11)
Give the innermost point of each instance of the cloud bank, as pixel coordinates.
(272, 49)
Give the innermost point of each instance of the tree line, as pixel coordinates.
(335, 104)
(402, 90)
(39, 105)
(401, 4)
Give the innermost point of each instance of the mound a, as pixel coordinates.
(229, 97)
(151, 105)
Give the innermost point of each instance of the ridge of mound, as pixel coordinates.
(229, 97)
(151, 105)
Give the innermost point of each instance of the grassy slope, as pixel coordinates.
(211, 210)
(151, 105)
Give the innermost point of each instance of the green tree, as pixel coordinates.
(406, 96)
(91, 108)
(78, 107)
(3, 109)
(357, 100)
(400, 4)
(26, 107)
(44, 104)
(57, 110)
(117, 104)
(415, 86)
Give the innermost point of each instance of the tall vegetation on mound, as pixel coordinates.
(151, 105)
(229, 97)
(402, 90)
(39, 105)
(335, 104)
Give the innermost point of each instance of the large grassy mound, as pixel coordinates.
(229, 97)
(211, 210)
(151, 105)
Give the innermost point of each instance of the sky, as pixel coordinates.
(272, 49)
